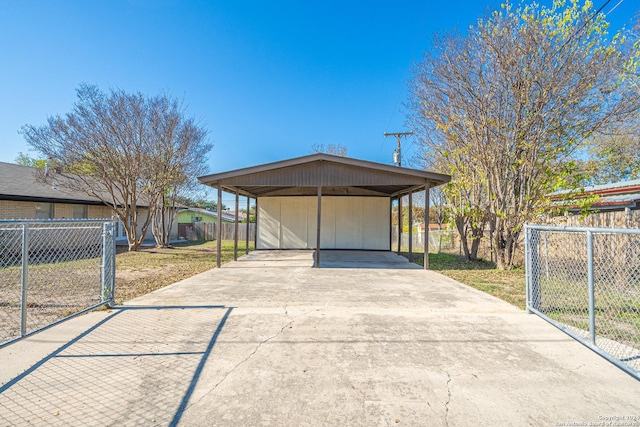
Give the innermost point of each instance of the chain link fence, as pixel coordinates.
(586, 281)
(52, 270)
(439, 240)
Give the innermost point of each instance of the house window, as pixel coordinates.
(44, 210)
(80, 212)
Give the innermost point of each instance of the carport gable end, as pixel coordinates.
(322, 201)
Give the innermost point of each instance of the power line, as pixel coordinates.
(614, 8)
(587, 22)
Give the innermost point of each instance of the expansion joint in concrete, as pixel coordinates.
(446, 404)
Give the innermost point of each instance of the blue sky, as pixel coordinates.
(267, 79)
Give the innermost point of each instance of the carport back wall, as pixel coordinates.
(347, 223)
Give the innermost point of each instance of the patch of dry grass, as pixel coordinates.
(148, 269)
(509, 285)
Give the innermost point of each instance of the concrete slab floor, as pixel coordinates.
(268, 340)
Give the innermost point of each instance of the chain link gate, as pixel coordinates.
(586, 282)
(51, 270)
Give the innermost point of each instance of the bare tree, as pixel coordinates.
(506, 106)
(128, 150)
(178, 159)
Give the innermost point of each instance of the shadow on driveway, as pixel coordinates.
(158, 351)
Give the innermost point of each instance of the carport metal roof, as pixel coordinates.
(338, 176)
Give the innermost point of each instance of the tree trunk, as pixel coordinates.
(505, 244)
(460, 226)
(475, 245)
(163, 217)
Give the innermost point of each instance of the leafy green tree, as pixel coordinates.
(614, 157)
(614, 154)
(25, 160)
(506, 105)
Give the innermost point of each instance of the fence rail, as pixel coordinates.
(439, 240)
(586, 281)
(51, 270)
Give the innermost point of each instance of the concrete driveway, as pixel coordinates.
(268, 340)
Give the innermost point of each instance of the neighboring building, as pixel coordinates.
(197, 223)
(616, 196)
(615, 205)
(24, 195)
(191, 215)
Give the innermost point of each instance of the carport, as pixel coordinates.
(323, 201)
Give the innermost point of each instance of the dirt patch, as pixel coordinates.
(148, 269)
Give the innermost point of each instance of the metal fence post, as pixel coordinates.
(25, 275)
(531, 272)
(108, 263)
(527, 268)
(112, 277)
(592, 318)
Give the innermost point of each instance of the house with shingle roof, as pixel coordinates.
(25, 194)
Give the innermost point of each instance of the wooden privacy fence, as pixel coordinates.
(209, 231)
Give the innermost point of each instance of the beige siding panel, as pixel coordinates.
(376, 212)
(143, 213)
(293, 223)
(312, 222)
(328, 223)
(269, 228)
(349, 223)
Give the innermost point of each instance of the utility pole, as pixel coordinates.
(397, 155)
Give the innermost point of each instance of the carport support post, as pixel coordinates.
(235, 228)
(246, 250)
(410, 226)
(219, 228)
(399, 223)
(255, 236)
(318, 228)
(426, 225)
(390, 224)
